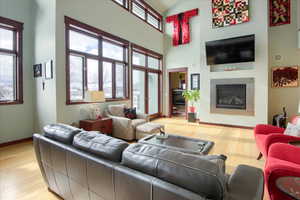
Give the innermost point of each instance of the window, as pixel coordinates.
(138, 9)
(143, 11)
(146, 80)
(96, 61)
(11, 91)
(123, 3)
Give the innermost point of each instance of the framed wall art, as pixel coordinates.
(49, 69)
(283, 77)
(195, 81)
(280, 12)
(229, 12)
(37, 70)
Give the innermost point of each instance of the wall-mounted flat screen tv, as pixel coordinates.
(233, 50)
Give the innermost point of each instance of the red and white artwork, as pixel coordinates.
(229, 12)
(181, 31)
(280, 12)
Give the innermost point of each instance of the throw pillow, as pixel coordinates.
(292, 130)
(130, 113)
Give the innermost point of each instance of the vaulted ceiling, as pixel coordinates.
(162, 5)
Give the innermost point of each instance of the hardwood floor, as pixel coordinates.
(20, 178)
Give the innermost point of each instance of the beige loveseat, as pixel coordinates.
(123, 127)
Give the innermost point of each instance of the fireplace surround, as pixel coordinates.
(232, 96)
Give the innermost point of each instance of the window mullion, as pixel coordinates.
(114, 80)
(84, 74)
(100, 63)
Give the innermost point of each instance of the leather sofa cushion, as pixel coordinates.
(61, 132)
(192, 172)
(100, 144)
(137, 122)
(117, 110)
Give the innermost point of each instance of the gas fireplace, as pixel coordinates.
(232, 96)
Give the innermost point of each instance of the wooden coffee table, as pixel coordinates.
(180, 143)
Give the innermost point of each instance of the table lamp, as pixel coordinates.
(94, 96)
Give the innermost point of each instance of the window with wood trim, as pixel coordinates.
(95, 60)
(143, 11)
(123, 3)
(146, 80)
(11, 81)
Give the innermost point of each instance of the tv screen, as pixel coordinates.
(233, 50)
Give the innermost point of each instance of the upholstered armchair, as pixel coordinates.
(123, 127)
(283, 161)
(266, 135)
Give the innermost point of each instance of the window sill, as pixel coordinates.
(3, 103)
(83, 102)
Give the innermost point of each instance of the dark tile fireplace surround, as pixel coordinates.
(232, 96)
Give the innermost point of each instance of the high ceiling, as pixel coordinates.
(162, 5)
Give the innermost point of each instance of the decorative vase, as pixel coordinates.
(192, 109)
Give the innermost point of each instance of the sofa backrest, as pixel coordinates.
(101, 145)
(61, 132)
(188, 171)
(116, 110)
(75, 174)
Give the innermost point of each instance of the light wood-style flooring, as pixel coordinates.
(20, 178)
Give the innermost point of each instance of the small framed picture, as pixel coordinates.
(195, 81)
(49, 69)
(37, 70)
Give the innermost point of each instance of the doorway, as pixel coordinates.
(178, 83)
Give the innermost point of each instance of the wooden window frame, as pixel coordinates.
(17, 28)
(149, 10)
(74, 25)
(147, 70)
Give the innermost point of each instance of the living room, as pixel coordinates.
(95, 64)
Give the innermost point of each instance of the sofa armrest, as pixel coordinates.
(267, 129)
(246, 183)
(278, 138)
(285, 152)
(143, 116)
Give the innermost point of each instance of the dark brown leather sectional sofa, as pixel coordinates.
(83, 165)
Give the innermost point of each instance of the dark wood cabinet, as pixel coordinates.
(103, 125)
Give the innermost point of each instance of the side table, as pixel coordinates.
(290, 186)
(104, 125)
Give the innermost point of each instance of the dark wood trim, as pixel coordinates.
(122, 6)
(12, 23)
(145, 6)
(15, 142)
(17, 28)
(143, 50)
(147, 70)
(73, 22)
(106, 100)
(169, 72)
(226, 125)
(101, 36)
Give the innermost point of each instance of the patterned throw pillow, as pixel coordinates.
(130, 113)
(292, 130)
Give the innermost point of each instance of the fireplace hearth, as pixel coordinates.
(232, 96)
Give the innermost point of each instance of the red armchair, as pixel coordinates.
(283, 161)
(265, 135)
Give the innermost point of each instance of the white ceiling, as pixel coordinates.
(162, 5)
